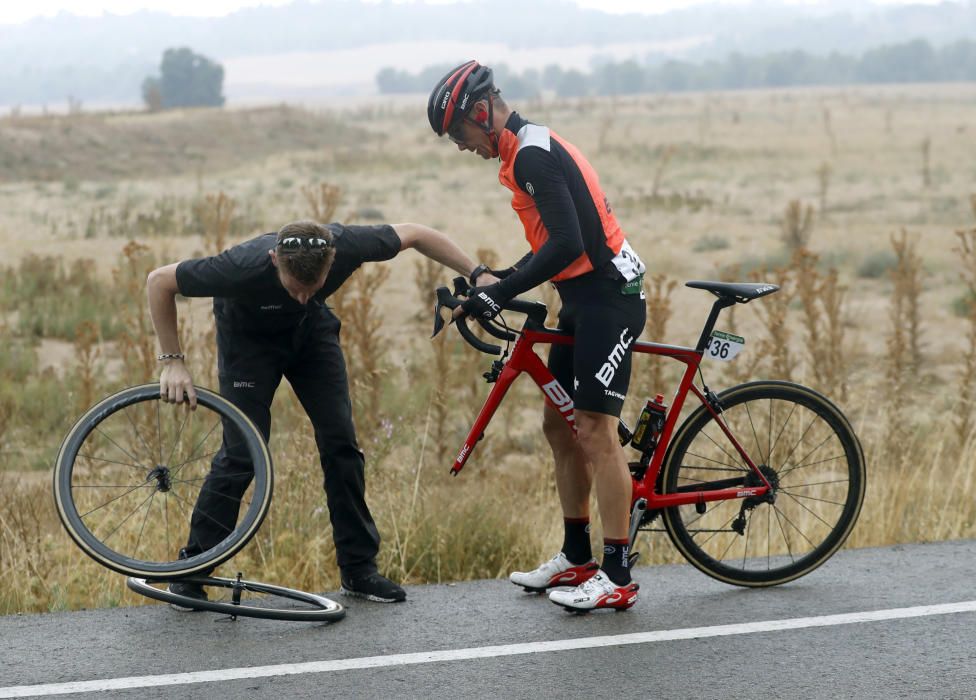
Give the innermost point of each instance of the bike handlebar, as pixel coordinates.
(536, 311)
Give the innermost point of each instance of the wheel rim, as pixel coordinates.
(805, 449)
(245, 599)
(130, 474)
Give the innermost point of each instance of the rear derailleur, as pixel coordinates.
(753, 481)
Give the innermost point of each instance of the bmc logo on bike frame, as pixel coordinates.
(616, 356)
(560, 399)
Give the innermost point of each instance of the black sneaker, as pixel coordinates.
(375, 587)
(189, 590)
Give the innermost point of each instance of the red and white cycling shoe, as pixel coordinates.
(558, 571)
(595, 593)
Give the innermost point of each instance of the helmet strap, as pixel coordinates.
(489, 127)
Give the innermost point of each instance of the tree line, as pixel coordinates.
(910, 62)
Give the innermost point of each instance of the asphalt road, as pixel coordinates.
(823, 636)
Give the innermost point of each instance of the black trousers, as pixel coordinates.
(251, 366)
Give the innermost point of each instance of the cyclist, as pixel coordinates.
(269, 295)
(577, 244)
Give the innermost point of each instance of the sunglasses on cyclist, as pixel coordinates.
(456, 131)
(302, 243)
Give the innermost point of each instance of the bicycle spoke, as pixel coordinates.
(786, 538)
(755, 436)
(203, 478)
(146, 518)
(790, 522)
(135, 429)
(198, 446)
(782, 429)
(176, 440)
(112, 461)
(134, 510)
(803, 464)
(731, 467)
(176, 470)
(810, 498)
(807, 509)
(121, 495)
(714, 532)
(745, 550)
(799, 441)
(223, 495)
(204, 514)
(724, 451)
(816, 483)
(122, 449)
(159, 434)
(732, 540)
(106, 486)
(166, 517)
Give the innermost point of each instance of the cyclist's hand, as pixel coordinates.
(174, 382)
(484, 302)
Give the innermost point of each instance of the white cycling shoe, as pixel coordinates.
(595, 593)
(558, 571)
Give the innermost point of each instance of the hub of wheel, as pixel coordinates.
(162, 476)
(753, 481)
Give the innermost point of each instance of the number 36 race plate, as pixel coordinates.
(724, 346)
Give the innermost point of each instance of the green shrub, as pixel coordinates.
(963, 306)
(877, 264)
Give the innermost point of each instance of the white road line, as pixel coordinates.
(426, 657)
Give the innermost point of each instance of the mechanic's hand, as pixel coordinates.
(487, 278)
(484, 303)
(174, 382)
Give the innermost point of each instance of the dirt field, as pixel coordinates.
(700, 182)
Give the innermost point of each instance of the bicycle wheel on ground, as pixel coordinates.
(269, 603)
(131, 470)
(808, 452)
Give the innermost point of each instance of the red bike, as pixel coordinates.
(760, 484)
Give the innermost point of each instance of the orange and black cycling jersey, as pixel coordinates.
(567, 218)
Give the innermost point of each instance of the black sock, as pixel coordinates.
(616, 562)
(576, 540)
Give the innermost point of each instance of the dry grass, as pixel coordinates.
(677, 170)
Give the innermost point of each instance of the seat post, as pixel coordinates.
(721, 303)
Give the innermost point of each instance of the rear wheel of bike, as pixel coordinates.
(245, 599)
(133, 469)
(805, 448)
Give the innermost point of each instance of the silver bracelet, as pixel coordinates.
(170, 356)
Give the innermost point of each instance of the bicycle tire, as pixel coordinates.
(321, 609)
(785, 428)
(106, 491)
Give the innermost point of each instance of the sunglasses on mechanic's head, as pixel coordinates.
(295, 243)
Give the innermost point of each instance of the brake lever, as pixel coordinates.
(444, 300)
(461, 287)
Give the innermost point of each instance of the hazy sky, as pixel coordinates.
(15, 12)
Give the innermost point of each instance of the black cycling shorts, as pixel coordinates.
(605, 323)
